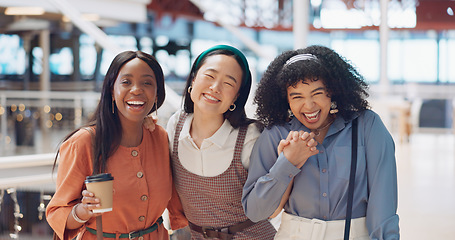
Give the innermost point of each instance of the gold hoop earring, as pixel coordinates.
(232, 107)
(189, 89)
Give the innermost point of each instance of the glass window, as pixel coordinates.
(395, 60)
(146, 45)
(363, 54)
(61, 62)
(37, 55)
(182, 63)
(413, 60)
(447, 60)
(125, 43)
(87, 55)
(12, 55)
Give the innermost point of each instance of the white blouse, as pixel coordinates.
(216, 152)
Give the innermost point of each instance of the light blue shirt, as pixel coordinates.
(320, 186)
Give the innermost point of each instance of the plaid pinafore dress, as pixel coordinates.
(216, 201)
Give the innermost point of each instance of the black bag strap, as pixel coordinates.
(347, 225)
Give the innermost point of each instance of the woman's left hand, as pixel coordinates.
(89, 202)
(299, 147)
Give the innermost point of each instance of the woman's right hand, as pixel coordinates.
(298, 147)
(150, 122)
(294, 138)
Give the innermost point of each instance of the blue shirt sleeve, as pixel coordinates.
(381, 217)
(268, 177)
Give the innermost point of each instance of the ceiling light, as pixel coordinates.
(91, 17)
(450, 11)
(24, 11)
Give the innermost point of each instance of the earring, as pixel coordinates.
(333, 108)
(156, 108)
(113, 106)
(189, 89)
(232, 107)
(290, 114)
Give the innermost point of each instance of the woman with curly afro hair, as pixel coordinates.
(313, 105)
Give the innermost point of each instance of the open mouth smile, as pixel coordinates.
(312, 116)
(211, 98)
(135, 104)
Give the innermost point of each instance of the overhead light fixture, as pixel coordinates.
(24, 11)
(91, 17)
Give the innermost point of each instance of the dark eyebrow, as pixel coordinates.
(318, 89)
(131, 75)
(229, 76)
(314, 90)
(148, 75)
(126, 75)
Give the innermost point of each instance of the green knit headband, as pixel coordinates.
(235, 51)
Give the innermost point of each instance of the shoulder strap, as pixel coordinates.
(178, 129)
(347, 226)
(239, 143)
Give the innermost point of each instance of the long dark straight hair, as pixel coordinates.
(108, 129)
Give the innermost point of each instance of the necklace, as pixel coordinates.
(317, 131)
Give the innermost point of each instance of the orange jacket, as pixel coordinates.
(142, 186)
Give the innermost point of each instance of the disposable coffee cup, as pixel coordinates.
(102, 186)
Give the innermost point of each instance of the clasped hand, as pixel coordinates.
(298, 147)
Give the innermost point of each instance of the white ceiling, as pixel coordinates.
(110, 10)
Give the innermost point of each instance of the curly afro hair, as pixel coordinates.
(344, 84)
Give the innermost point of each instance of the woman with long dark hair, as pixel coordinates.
(211, 141)
(115, 141)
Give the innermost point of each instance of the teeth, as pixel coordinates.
(136, 102)
(312, 115)
(210, 97)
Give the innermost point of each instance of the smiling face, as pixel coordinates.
(310, 103)
(216, 84)
(134, 91)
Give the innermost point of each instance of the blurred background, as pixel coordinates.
(54, 54)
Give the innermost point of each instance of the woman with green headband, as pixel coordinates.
(210, 142)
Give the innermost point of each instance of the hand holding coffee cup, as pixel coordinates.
(101, 185)
(89, 201)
